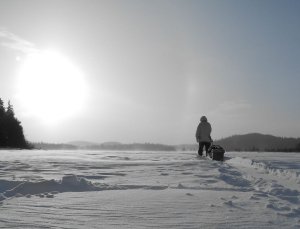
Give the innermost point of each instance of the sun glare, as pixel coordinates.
(50, 87)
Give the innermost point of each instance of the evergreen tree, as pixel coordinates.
(2, 129)
(2, 109)
(298, 147)
(10, 110)
(11, 131)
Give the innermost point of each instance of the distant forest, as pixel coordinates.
(11, 131)
(260, 142)
(253, 142)
(106, 146)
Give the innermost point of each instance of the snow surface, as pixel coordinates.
(133, 189)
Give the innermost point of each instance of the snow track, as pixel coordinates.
(281, 173)
(279, 188)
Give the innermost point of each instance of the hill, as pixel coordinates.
(53, 146)
(259, 142)
(81, 143)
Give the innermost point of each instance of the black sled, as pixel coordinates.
(216, 152)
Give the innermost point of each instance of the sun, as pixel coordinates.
(50, 87)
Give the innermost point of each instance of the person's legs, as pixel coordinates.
(200, 150)
(207, 145)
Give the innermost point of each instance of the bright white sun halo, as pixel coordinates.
(50, 87)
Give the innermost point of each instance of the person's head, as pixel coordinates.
(203, 119)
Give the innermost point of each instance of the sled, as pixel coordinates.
(216, 152)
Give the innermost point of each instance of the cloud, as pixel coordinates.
(12, 41)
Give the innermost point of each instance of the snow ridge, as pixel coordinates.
(46, 188)
(281, 173)
(69, 183)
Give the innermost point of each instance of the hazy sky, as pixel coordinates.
(150, 69)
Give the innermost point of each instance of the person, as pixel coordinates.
(203, 135)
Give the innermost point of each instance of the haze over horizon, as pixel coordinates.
(146, 71)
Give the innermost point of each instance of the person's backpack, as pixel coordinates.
(216, 152)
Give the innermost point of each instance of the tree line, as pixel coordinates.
(260, 142)
(11, 130)
(105, 146)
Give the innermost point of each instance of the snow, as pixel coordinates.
(119, 189)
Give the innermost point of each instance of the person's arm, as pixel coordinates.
(210, 129)
(197, 134)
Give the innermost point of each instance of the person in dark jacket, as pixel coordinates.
(203, 135)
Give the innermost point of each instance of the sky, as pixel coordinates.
(146, 71)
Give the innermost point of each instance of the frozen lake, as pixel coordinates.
(134, 189)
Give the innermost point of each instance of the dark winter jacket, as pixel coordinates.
(203, 132)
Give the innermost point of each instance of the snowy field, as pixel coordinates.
(102, 189)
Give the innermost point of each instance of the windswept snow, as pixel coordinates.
(100, 189)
